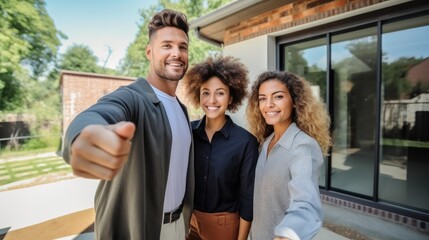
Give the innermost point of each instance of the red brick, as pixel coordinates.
(81, 90)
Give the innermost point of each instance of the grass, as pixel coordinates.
(7, 153)
(17, 170)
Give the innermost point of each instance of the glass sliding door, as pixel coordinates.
(354, 72)
(377, 81)
(404, 163)
(309, 60)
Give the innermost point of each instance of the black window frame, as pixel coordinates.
(372, 19)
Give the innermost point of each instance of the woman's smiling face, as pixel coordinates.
(275, 103)
(214, 98)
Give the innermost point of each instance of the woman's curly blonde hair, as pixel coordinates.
(228, 69)
(309, 113)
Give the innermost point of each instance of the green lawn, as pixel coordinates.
(16, 170)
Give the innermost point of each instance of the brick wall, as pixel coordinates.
(81, 90)
(371, 211)
(291, 15)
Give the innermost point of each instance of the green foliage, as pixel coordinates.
(44, 142)
(28, 44)
(10, 92)
(135, 63)
(364, 50)
(79, 58)
(36, 27)
(35, 143)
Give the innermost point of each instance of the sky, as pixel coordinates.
(99, 24)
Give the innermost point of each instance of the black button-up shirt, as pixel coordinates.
(224, 169)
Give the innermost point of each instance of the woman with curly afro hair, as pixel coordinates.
(293, 128)
(225, 153)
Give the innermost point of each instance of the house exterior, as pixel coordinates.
(79, 90)
(366, 60)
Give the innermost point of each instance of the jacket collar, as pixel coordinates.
(148, 89)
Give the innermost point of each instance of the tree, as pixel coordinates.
(135, 63)
(28, 44)
(79, 58)
(45, 99)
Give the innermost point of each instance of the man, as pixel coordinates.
(137, 141)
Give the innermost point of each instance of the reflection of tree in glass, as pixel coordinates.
(355, 74)
(396, 85)
(365, 50)
(297, 64)
(403, 119)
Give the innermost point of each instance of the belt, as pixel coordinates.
(170, 217)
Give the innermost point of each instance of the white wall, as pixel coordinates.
(258, 54)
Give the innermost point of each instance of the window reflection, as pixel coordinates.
(404, 115)
(353, 61)
(404, 164)
(308, 60)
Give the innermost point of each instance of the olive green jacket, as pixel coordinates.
(131, 205)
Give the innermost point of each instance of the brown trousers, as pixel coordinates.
(214, 226)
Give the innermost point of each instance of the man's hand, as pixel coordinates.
(100, 151)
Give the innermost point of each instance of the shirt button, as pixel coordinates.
(205, 177)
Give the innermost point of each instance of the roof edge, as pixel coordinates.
(207, 39)
(222, 12)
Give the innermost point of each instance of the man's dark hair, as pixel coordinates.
(168, 18)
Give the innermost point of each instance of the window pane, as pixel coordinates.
(404, 164)
(354, 62)
(308, 60)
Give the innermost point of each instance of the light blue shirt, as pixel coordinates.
(286, 198)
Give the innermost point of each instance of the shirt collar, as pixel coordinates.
(286, 140)
(225, 130)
